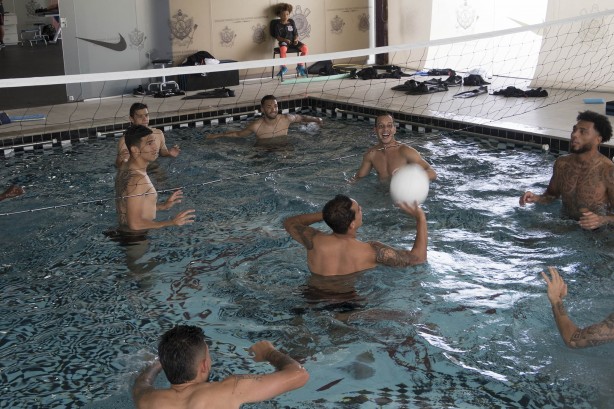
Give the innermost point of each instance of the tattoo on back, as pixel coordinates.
(306, 235)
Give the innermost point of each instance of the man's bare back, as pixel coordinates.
(340, 252)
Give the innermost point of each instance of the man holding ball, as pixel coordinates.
(340, 252)
(389, 155)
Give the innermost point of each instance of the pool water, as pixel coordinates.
(81, 313)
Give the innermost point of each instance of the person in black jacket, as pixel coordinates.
(284, 31)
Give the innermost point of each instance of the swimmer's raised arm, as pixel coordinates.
(164, 151)
(122, 152)
(390, 256)
(288, 375)
(144, 384)
(299, 228)
(573, 336)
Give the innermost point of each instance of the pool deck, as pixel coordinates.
(493, 116)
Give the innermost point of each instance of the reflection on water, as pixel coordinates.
(472, 328)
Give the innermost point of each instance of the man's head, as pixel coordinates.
(340, 212)
(139, 114)
(591, 130)
(385, 129)
(141, 140)
(601, 123)
(268, 106)
(183, 353)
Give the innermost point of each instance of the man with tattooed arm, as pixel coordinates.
(584, 179)
(340, 252)
(184, 357)
(574, 337)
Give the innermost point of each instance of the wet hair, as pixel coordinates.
(600, 122)
(267, 98)
(137, 106)
(134, 134)
(180, 350)
(338, 214)
(383, 114)
(282, 7)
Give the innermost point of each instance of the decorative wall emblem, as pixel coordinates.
(466, 16)
(182, 28)
(137, 39)
(31, 7)
(259, 36)
(119, 45)
(363, 22)
(227, 37)
(300, 19)
(336, 25)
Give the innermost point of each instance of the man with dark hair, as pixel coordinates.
(184, 357)
(339, 252)
(272, 124)
(136, 196)
(139, 115)
(574, 337)
(389, 155)
(584, 179)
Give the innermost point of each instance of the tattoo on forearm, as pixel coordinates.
(278, 359)
(392, 257)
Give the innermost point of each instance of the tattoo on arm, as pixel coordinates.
(279, 360)
(596, 334)
(389, 256)
(305, 235)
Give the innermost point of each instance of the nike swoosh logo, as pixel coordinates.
(119, 46)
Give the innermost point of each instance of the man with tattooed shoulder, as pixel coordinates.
(340, 252)
(184, 357)
(584, 179)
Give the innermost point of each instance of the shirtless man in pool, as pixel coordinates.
(389, 155)
(584, 179)
(340, 252)
(136, 196)
(185, 360)
(271, 125)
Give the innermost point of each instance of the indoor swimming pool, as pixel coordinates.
(81, 314)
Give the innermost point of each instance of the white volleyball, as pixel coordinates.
(409, 184)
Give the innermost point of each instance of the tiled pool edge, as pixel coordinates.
(330, 108)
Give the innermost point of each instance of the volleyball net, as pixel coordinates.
(568, 58)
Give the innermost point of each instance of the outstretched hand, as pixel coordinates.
(185, 217)
(412, 209)
(174, 199)
(557, 289)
